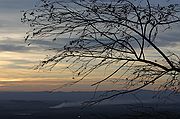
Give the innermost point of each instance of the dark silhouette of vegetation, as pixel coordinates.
(103, 34)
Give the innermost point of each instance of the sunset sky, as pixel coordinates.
(17, 59)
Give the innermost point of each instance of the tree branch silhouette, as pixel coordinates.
(106, 33)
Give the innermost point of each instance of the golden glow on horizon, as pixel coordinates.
(24, 78)
(4, 63)
(4, 36)
(9, 80)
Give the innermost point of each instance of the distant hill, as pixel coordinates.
(142, 95)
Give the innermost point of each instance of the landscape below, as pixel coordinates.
(69, 105)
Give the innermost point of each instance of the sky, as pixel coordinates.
(17, 59)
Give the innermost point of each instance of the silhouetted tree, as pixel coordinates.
(116, 33)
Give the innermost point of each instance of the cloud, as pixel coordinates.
(16, 4)
(10, 14)
(17, 48)
(10, 22)
(12, 48)
(18, 45)
(169, 38)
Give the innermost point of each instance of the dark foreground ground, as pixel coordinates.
(17, 109)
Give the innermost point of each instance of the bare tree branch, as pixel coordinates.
(107, 33)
